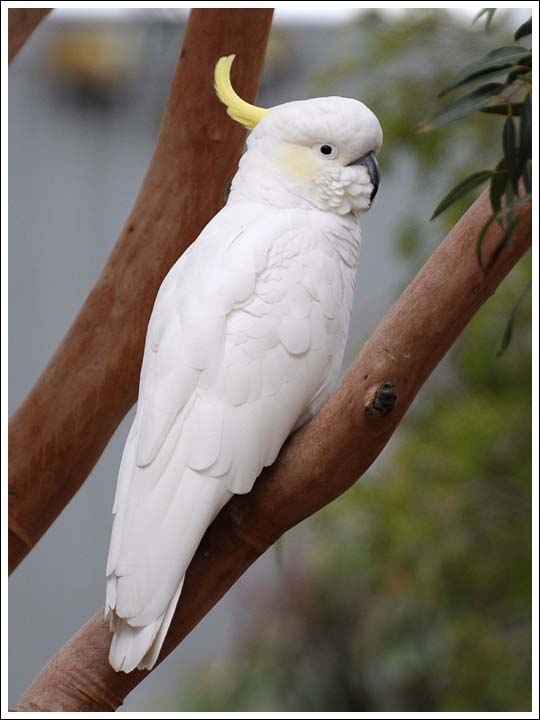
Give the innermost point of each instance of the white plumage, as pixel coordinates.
(245, 343)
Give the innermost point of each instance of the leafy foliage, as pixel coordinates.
(489, 13)
(511, 97)
(478, 99)
(512, 320)
(461, 189)
(523, 30)
(494, 62)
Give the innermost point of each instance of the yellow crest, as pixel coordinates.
(240, 110)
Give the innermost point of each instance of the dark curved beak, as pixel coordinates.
(370, 163)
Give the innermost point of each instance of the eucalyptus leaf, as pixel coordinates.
(510, 196)
(527, 177)
(506, 241)
(522, 70)
(509, 149)
(513, 202)
(497, 187)
(489, 13)
(499, 217)
(460, 190)
(495, 61)
(507, 337)
(481, 237)
(504, 109)
(523, 200)
(482, 97)
(507, 216)
(524, 30)
(525, 130)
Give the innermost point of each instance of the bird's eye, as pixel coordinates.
(327, 150)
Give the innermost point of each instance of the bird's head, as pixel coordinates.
(317, 153)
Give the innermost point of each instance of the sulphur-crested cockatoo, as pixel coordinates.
(245, 344)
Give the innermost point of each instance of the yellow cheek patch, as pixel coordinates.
(299, 162)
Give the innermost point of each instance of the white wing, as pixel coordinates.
(245, 331)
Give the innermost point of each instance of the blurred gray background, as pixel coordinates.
(86, 96)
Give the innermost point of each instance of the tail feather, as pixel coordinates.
(149, 660)
(139, 647)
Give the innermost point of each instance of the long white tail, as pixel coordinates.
(161, 512)
(139, 647)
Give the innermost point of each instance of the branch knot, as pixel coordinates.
(382, 401)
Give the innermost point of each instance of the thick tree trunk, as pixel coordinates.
(316, 465)
(61, 428)
(21, 24)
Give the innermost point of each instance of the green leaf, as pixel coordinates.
(510, 218)
(524, 30)
(513, 203)
(499, 179)
(509, 149)
(506, 241)
(481, 238)
(524, 151)
(504, 109)
(460, 190)
(489, 13)
(522, 70)
(508, 210)
(482, 97)
(526, 59)
(525, 130)
(507, 337)
(527, 177)
(495, 61)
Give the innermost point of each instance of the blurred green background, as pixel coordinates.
(413, 591)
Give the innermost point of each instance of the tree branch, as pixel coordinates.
(21, 24)
(316, 465)
(61, 428)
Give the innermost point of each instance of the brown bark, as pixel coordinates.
(316, 465)
(61, 428)
(21, 24)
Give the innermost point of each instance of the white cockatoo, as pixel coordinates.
(244, 345)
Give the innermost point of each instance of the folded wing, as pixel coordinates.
(240, 344)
